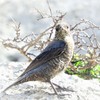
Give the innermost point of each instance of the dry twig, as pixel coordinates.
(32, 40)
(86, 42)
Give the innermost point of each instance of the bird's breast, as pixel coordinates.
(57, 64)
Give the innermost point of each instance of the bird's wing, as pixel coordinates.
(53, 50)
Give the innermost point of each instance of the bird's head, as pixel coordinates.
(61, 31)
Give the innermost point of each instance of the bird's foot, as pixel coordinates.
(63, 88)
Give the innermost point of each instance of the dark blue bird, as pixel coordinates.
(52, 60)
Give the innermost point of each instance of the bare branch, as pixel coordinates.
(86, 44)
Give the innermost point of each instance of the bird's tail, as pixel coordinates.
(15, 83)
(19, 81)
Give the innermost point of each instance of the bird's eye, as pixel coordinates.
(58, 27)
(67, 26)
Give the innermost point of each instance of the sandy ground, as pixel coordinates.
(74, 88)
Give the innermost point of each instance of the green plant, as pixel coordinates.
(79, 68)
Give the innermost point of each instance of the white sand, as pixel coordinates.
(77, 88)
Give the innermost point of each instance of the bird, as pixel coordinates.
(52, 60)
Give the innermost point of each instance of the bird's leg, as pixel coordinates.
(53, 88)
(62, 88)
(57, 85)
